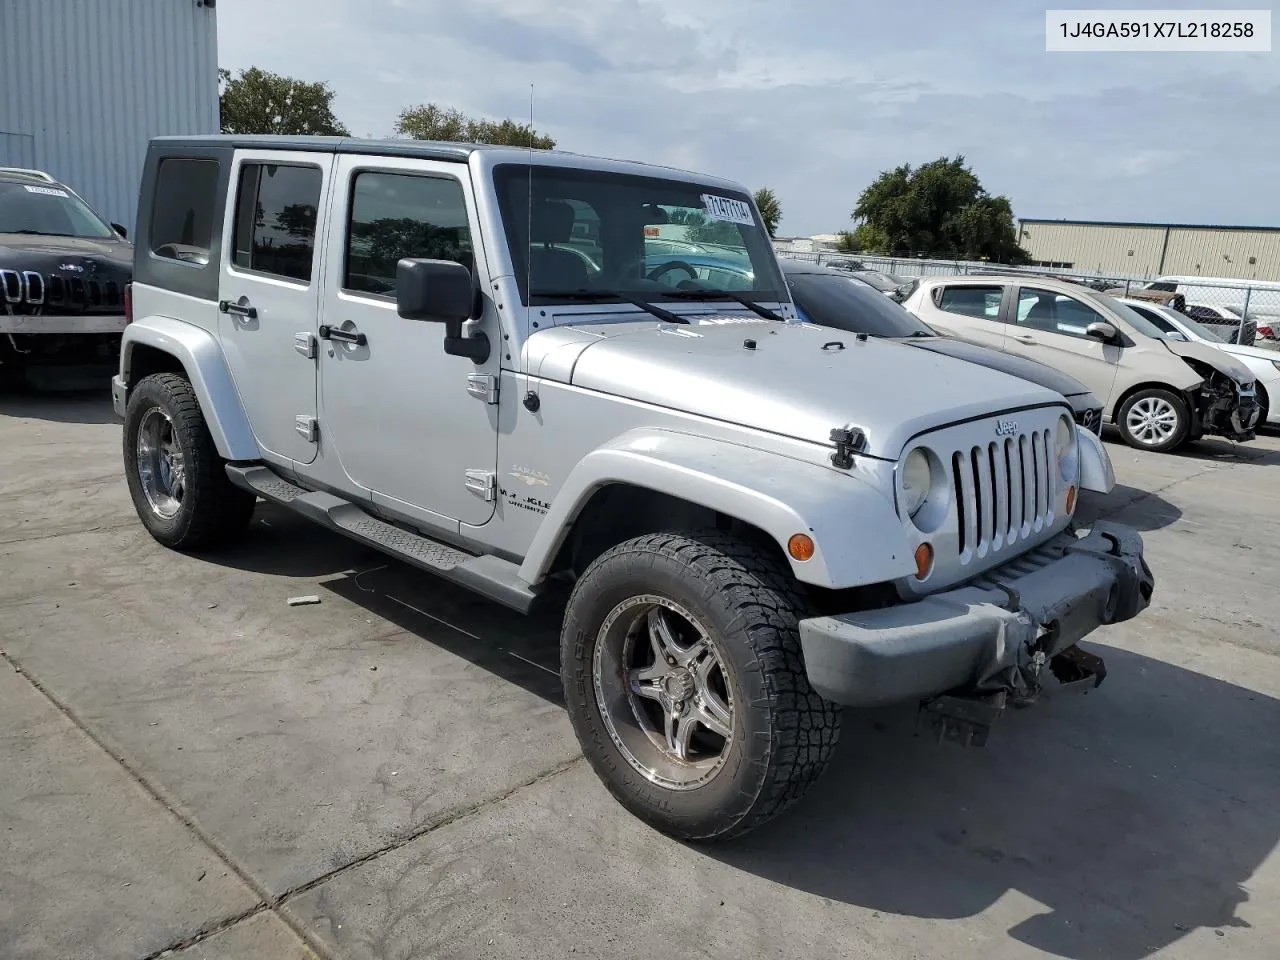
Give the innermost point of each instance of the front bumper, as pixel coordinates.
(53, 324)
(992, 635)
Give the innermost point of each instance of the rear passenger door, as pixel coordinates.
(969, 311)
(268, 296)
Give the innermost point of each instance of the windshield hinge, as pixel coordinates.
(482, 483)
(484, 386)
(848, 441)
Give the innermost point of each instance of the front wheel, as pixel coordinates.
(686, 686)
(1154, 419)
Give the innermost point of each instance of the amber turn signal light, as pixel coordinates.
(800, 546)
(924, 560)
(1071, 498)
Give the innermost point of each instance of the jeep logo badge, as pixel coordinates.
(1006, 428)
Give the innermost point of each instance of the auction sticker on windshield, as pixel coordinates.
(48, 191)
(727, 209)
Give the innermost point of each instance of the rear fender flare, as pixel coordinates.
(857, 535)
(201, 357)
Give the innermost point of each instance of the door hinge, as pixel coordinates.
(307, 428)
(482, 483)
(305, 344)
(484, 386)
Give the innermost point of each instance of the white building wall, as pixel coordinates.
(84, 84)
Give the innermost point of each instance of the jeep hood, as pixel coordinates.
(1220, 360)
(791, 379)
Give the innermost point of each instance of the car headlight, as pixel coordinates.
(1276, 364)
(917, 478)
(1064, 447)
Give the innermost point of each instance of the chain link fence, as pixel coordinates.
(1216, 304)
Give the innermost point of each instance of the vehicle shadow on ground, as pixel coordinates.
(1218, 450)
(1141, 509)
(72, 406)
(1130, 816)
(524, 650)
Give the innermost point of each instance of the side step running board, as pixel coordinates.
(488, 576)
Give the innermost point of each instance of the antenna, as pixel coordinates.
(531, 402)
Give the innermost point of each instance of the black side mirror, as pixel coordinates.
(120, 230)
(441, 291)
(1101, 331)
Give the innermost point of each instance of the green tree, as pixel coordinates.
(257, 101)
(770, 209)
(430, 121)
(864, 239)
(939, 209)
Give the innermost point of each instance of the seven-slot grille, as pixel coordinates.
(1004, 491)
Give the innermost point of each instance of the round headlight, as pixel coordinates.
(1064, 445)
(916, 480)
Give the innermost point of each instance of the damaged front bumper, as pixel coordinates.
(1227, 411)
(991, 638)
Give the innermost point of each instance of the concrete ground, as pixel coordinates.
(188, 765)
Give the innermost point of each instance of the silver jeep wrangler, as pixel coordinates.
(536, 374)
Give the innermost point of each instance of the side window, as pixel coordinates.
(275, 229)
(183, 209)
(397, 215)
(970, 301)
(1054, 313)
(1157, 321)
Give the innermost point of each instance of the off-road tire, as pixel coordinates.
(1181, 433)
(784, 732)
(213, 511)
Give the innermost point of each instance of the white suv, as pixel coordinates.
(1159, 393)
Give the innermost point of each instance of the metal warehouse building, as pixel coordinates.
(85, 83)
(1154, 249)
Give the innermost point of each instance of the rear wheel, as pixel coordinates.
(177, 480)
(686, 686)
(1154, 419)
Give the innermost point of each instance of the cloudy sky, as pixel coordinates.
(812, 97)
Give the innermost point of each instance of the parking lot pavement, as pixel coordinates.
(390, 774)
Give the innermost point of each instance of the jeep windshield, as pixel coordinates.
(45, 209)
(591, 235)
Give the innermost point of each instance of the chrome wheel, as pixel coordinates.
(663, 693)
(161, 469)
(1152, 421)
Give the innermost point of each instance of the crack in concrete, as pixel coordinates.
(267, 901)
(100, 528)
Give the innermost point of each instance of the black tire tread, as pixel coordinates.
(220, 510)
(805, 728)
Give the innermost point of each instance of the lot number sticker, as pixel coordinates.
(48, 191)
(730, 211)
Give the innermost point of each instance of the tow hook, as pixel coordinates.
(965, 720)
(1078, 669)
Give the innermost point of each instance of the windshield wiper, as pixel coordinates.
(710, 293)
(599, 296)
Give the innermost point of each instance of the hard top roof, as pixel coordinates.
(437, 150)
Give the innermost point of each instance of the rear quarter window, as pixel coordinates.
(184, 206)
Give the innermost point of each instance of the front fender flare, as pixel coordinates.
(855, 528)
(201, 357)
(1096, 472)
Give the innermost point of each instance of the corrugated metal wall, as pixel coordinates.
(1147, 250)
(85, 83)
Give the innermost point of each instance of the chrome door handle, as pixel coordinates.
(239, 309)
(327, 332)
(1025, 339)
